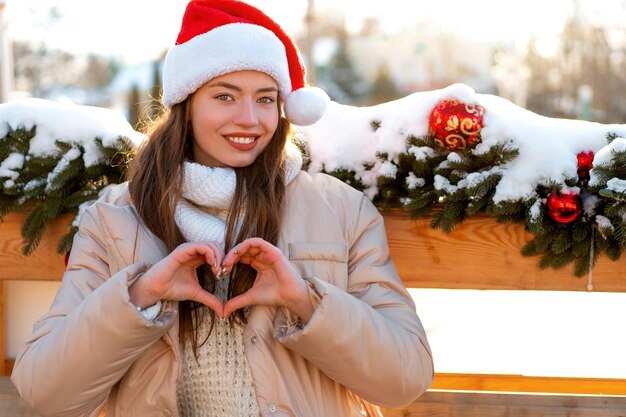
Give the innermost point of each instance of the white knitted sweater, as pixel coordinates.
(219, 382)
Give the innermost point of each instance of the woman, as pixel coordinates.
(222, 280)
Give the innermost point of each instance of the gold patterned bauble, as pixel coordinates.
(456, 125)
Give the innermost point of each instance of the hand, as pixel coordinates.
(277, 282)
(174, 277)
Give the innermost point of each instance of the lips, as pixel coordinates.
(242, 142)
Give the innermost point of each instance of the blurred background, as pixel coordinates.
(558, 58)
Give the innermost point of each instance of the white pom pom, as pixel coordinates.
(306, 106)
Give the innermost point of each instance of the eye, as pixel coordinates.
(224, 97)
(267, 100)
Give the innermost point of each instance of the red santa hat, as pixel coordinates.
(218, 37)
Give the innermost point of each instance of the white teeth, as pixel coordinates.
(244, 141)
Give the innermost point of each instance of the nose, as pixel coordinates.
(246, 114)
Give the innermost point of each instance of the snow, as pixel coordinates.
(65, 122)
(454, 157)
(589, 205)
(10, 164)
(351, 138)
(604, 223)
(344, 138)
(475, 178)
(61, 166)
(617, 185)
(412, 181)
(34, 184)
(442, 183)
(388, 169)
(603, 157)
(535, 210)
(421, 152)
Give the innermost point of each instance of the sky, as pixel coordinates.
(138, 31)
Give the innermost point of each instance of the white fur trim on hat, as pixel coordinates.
(225, 49)
(306, 106)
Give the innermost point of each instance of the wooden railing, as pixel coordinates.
(435, 403)
(483, 254)
(478, 254)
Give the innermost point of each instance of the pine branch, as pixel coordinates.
(562, 242)
(581, 266)
(6, 204)
(452, 213)
(613, 194)
(33, 228)
(79, 197)
(530, 248)
(65, 243)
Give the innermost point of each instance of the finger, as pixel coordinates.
(204, 255)
(209, 300)
(235, 303)
(231, 260)
(215, 257)
(251, 247)
(191, 252)
(197, 253)
(246, 259)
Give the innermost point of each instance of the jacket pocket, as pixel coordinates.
(326, 261)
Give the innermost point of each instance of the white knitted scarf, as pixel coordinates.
(207, 192)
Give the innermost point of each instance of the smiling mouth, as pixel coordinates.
(242, 140)
(242, 143)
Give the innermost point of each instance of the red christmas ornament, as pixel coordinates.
(564, 207)
(456, 125)
(585, 163)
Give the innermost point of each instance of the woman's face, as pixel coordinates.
(233, 118)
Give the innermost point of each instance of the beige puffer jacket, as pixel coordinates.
(363, 344)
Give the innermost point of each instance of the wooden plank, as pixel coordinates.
(9, 363)
(478, 254)
(436, 403)
(11, 404)
(42, 265)
(523, 383)
(482, 254)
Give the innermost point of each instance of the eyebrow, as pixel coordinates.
(236, 88)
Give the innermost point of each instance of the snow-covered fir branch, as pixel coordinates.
(57, 157)
(518, 168)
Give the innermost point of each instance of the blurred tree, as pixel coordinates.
(134, 107)
(39, 70)
(98, 72)
(585, 62)
(347, 86)
(543, 82)
(383, 88)
(156, 91)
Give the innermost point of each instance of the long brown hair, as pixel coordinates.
(155, 178)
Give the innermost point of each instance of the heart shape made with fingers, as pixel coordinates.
(277, 282)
